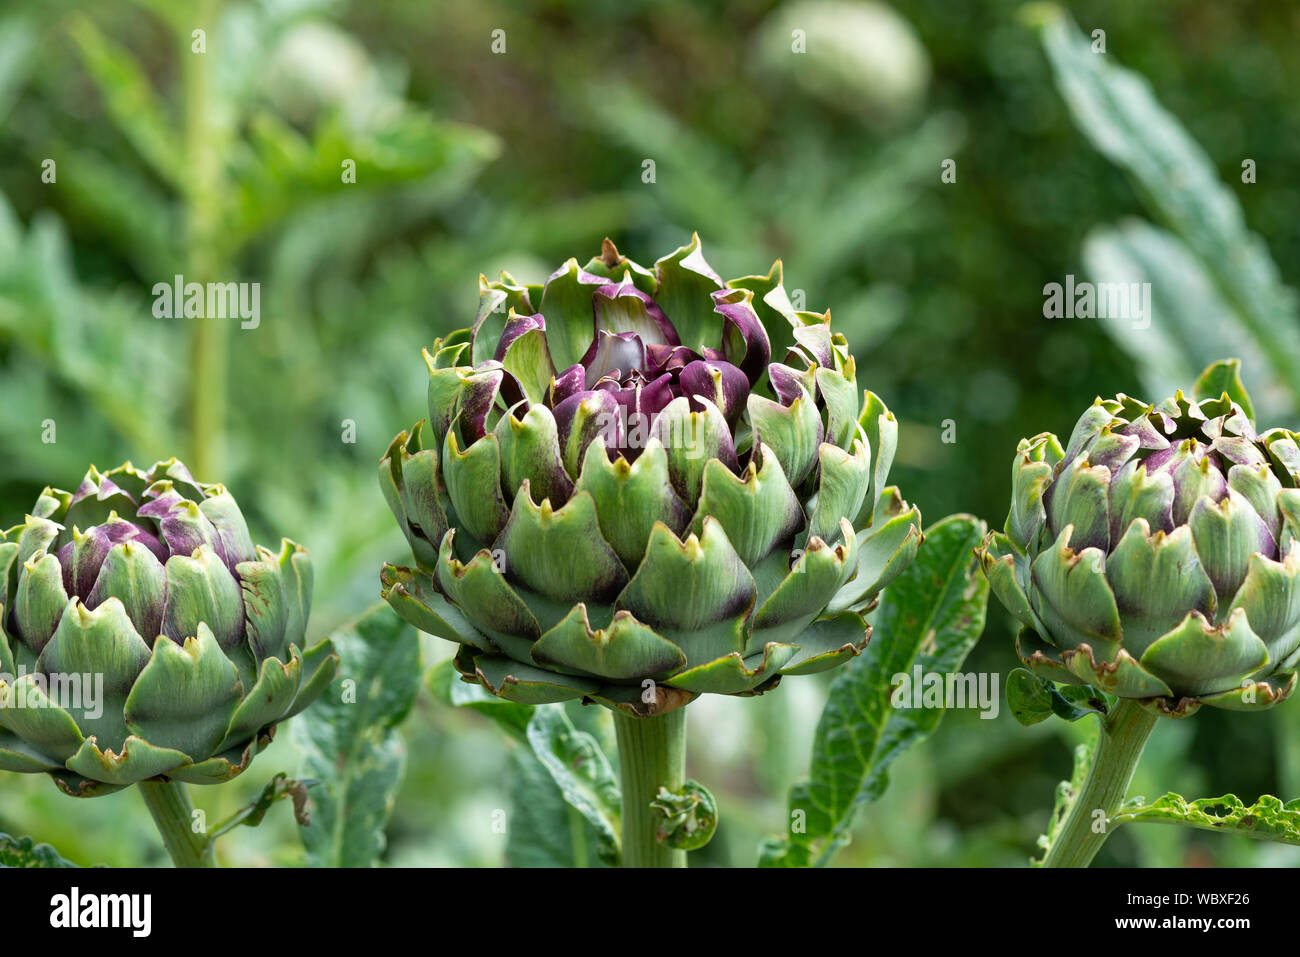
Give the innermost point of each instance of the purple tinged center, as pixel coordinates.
(1195, 453)
(621, 307)
(617, 356)
(81, 566)
(181, 528)
(636, 365)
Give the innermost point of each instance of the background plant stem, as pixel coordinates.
(651, 755)
(169, 803)
(204, 146)
(1124, 734)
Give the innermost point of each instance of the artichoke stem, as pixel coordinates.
(1119, 748)
(651, 755)
(169, 803)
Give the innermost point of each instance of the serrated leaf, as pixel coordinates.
(1268, 819)
(930, 617)
(350, 741)
(24, 852)
(1118, 112)
(581, 772)
(510, 716)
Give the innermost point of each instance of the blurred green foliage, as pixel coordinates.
(468, 161)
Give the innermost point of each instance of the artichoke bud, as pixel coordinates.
(1154, 557)
(631, 489)
(142, 617)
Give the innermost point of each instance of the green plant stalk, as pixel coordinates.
(651, 755)
(1124, 734)
(205, 149)
(169, 803)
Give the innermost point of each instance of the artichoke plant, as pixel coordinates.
(1155, 555)
(143, 636)
(636, 485)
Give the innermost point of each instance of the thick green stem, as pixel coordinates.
(1123, 736)
(169, 803)
(651, 755)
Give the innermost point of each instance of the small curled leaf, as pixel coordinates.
(686, 818)
(1032, 698)
(280, 786)
(1028, 697)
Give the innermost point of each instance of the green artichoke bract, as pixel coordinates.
(1155, 556)
(145, 636)
(619, 496)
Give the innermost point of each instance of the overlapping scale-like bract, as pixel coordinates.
(1156, 555)
(143, 634)
(639, 484)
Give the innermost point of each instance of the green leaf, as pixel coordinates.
(581, 772)
(1032, 698)
(543, 830)
(1116, 109)
(350, 742)
(1224, 376)
(930, 617)
(510, 716)
(1268, 819)
(24, 852)
(564, 792)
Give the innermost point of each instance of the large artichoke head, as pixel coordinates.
(143, 635)
(1155, 556)
(619, 495)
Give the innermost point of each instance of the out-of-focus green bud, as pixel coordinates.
(859, 56)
